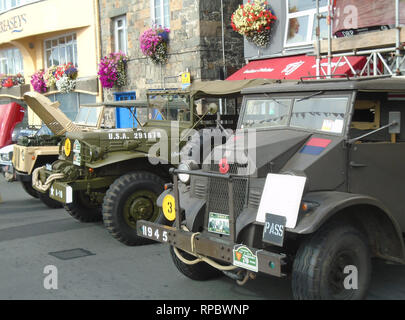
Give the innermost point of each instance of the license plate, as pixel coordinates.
(218, 223)
(274, 227)
(152, 233)
(61, 192)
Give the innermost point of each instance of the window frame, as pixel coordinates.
(310, 13)
(6, 5)
(57, 38)
(124, 28)
(165, 24)
(11, 65)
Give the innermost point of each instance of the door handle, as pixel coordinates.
(357, 165)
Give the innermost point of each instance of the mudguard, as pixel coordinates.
(115, 157)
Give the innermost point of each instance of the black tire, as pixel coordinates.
(318, 268)
(200, 271)
(130, 198)
(50, 203)
(82, 208)
(27, 186)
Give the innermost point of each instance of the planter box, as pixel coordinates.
(16, 92)
(85, 85)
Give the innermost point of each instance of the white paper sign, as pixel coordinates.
(282, 195)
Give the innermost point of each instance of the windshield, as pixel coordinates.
(88, 116)
(169, 107)
(320, 113)
(44, 131)
(267, 112)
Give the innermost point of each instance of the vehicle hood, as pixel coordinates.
(49, 113)
(254, 150)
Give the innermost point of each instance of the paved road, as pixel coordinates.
(29, 232)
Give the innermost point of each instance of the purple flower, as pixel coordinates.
(152, 38)
(112, 70)
(38, 82)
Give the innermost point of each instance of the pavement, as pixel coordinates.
(31, 234)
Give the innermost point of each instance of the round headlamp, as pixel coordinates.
(185, 178)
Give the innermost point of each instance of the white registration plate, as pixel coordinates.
(154, 233)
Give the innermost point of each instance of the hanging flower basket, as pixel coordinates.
(253, 20)
(112, 70)
(154, 44)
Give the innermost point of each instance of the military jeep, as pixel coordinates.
(41, 148)
(310, 186)
(114, 176)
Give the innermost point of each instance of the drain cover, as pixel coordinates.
(71, 254)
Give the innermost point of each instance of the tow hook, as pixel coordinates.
(241, 276)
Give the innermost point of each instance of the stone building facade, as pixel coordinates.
(195, 41)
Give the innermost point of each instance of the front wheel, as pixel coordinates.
(50, 203)
(83, 209)
(27, 186)
(130, 198)
(334, 264)
(200, 271)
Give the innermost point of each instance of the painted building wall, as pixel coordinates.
(27, 28)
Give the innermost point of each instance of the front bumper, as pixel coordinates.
(23, 176)
(212, 247)
(64, 191)
(225, 249)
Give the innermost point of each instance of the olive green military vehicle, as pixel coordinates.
(42, 148)
(116, 175)
(310, 186)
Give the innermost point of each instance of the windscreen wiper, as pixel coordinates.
(310, 96)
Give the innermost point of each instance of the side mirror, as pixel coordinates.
(213, 108)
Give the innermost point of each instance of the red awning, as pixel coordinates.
(295, 67)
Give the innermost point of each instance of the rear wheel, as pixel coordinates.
(334, 264)
(50, 203)
(200, 271)
(27, 186)
(130, 198)
(83, 209)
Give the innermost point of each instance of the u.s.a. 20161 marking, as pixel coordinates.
(135, 135)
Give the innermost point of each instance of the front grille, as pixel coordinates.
(199, 188)
(255, 196)
(218, 195)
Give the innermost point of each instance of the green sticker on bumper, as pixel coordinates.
(243, 257)
(218, 223)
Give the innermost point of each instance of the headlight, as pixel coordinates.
(185, 178)
(187, 166)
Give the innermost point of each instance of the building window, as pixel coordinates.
(301, 22)
(120, 34)
(161, 13)
(11, 61)
(61, 50)
(6, 5)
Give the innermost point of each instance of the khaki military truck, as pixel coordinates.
(116, 175)
(310, 188)
(42, 148)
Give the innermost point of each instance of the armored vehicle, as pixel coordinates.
(116, 175)
(310, 186)
(42, 148)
